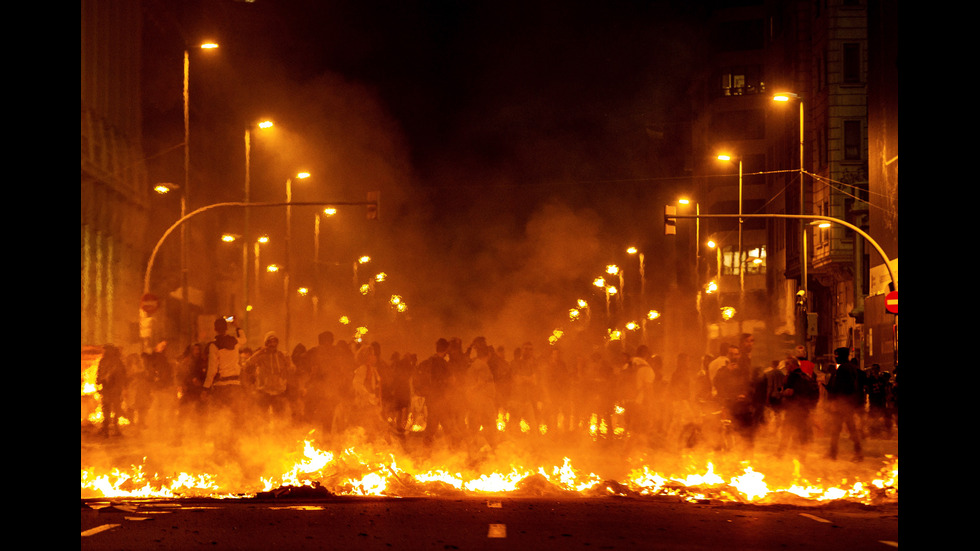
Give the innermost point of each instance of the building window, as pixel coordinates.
(738, 81)
(852, 63)
(754, 259)
(852, 140)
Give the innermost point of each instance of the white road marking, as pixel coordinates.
(97, 529)
(497, 531)
(816, 518)
(889, 543)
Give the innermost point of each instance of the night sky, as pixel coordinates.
(518, 146)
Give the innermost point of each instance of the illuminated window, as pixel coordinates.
(754, 259)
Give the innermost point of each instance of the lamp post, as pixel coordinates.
(643, 285)
(326, 212)
(741, 264)
(248, 175)
(289, 266)
(785, 97)
(697, 261)
(185, 190)
(615, 270)
(262, 240)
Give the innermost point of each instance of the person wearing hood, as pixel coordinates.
(223, 378)
(267, 373)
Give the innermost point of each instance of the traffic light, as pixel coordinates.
(374, 204)
(670, 223)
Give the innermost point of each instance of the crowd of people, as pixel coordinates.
(476, 395)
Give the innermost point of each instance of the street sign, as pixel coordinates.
(149, 303)
(891, 302)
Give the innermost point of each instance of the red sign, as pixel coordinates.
(891, 302)
(149, 303)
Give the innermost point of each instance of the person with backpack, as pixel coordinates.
(800, 395)
(845, 398)
(267, 374)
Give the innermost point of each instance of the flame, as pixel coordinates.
(349, 464)
(372, 473)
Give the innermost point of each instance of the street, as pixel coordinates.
(481, 523)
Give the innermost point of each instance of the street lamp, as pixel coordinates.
(327, 212)
(289, 266)
(362, 260)
(785, 97)
(643, 283)
(185, 191)
(248, 175)
(741, 270)
(231, 238)
(614, 270)
(262, 240)
(697, 251)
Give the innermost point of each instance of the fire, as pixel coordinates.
(349, 464)
(360, 470)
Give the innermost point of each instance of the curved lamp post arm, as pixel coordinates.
(188, 216)
(891, 273)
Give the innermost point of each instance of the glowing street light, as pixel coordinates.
(165, 188)
(265, 124)
(741, 263)
(785, 97)
(185, 190)
(727, 313)
(289, 265)
(643, 284)
(261, 240)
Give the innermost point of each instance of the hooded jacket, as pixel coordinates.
(223, 366)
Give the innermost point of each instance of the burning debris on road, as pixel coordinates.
(212, 452)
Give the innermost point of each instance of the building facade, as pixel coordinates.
(114, 190)
(810, 155)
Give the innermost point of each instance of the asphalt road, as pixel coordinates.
(482, 523)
